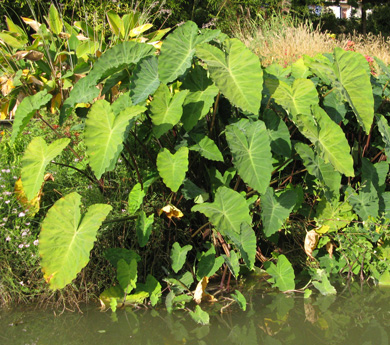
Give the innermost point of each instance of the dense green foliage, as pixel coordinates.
(252, 158)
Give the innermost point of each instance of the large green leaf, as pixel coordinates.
(278, 133)
(236, 72)
(208, 264)
(26, 110)
(233, 263)
(173, 167)
(179, 255)
(328, 138)
(251, 151)
(227, 212)
(200, 98)
(113, 255)
(121, 56)
(104, 134)
(325, 173)
(276, 209)
(245, 241)
(67, 238)
(166, 110)
(144, 81)
(296, 99)
(153, 287)
(207, 148)
(354, 82)
(35, 159)
(127, 274)
(282, 274)
(143, 227)
(177, 52)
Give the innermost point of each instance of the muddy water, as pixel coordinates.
(355, 316)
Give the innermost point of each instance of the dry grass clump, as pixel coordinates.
(280, 39)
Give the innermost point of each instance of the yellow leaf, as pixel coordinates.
(156, 44)
(55, 103)
(32, 205)
(198, 293)
(323, 229)
(7, 86)
(4, 111)
(171, 211)
(311, 241)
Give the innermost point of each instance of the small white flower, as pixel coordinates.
(21, 283)
(21, 245)
(21, 214)
(36, 242)
(24, 233)
(8, 239)
(27, 245)
(5, 219)
(7, 201)
(2, 224)
(76, 160)
(28, 223)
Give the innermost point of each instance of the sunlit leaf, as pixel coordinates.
(173, 167)
(105, 133)
(227, 212)
(166, 109)
(200, 289)
(177, 52)
(236, 72)
(171, 211)
(35, 159)
(282, 274)
(179, 255)
(27, 109)
(311, 240)
(67, 238)
(136, 197)
(54, 20)
(322, 284)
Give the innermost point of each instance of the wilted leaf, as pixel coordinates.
(200, 288)
(311, 241)
(171, 211)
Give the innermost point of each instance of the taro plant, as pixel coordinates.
(239, 156)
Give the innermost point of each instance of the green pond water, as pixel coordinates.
(358, 315)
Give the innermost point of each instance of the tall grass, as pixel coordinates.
(283, 39)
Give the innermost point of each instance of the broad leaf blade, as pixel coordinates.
(54, 20)
(104, 134)
(166, 110)
(136, 197)
(227, 212)
(35, 159)
(179, 255)
(208, 264)
(177, 52)
(67, 238)
(276, 209)
(282, 274)
(245, 241)
(144, 81)
(173, 168)
(250, 147)
(26, 111)
(354, 82)
(127, 274)
(236, 72)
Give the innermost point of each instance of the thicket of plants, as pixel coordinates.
(187, 161)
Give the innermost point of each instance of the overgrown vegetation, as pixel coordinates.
(178, 159)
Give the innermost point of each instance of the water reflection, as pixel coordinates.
(356, 316)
